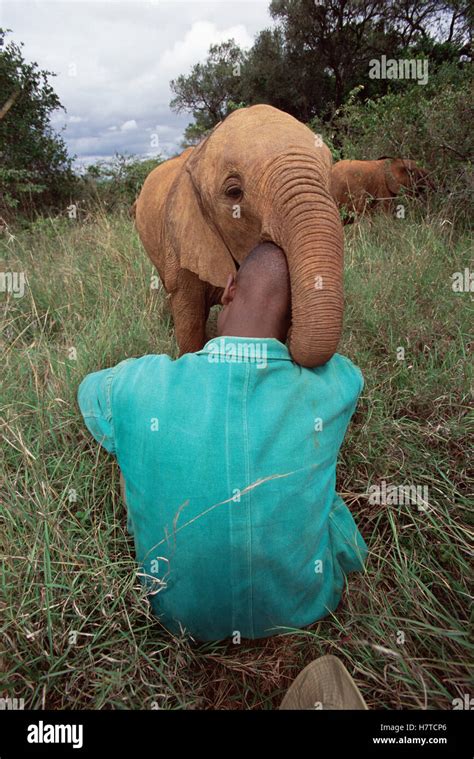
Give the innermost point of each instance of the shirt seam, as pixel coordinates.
(249, 495)
(231, 511)
(108, 398)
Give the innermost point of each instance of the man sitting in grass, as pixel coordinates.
(229, 461)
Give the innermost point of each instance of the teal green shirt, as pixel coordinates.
(229, 459)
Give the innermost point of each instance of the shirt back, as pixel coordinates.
(229, 458)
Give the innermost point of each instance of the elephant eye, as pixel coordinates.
(233, 191)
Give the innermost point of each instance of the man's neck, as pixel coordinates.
(263, 334)
(250, 328)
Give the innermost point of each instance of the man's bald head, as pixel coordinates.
(264, 277)
(258, 299)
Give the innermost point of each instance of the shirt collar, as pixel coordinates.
(239, 349)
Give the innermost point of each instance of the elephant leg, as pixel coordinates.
(214, 295)
(190, 309)
(386, 205)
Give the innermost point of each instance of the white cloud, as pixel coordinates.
(127, 126)
(194, 47)
(122, 56)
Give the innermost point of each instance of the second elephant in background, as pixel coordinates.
(359, 186)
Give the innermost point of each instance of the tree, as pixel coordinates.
(445, 21)
(35, 167)
(274, 74)
(319, 52)
(341, 36)
(211, 90)
(337, 36)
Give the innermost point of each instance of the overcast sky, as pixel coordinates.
(114, 61)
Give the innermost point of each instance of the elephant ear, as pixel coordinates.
(328, 164)
(194, 239)
(394, 175)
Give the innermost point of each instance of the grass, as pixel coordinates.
(76, 629)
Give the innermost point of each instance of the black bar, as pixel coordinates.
(153, 733)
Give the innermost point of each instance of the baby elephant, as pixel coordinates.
(357, 186)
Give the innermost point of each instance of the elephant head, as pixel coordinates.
(260, 176)
(401, 172)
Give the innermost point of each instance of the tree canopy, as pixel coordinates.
(317, 53)
(211, 90)
(34, 164)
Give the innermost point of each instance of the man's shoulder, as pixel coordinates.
(344, 364)
(149, 371)
(148, 366)
(340, 372)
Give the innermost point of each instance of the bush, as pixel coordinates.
(36, 172)
(115, 184)
(430, 124)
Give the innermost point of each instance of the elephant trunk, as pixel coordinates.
(310, 233)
